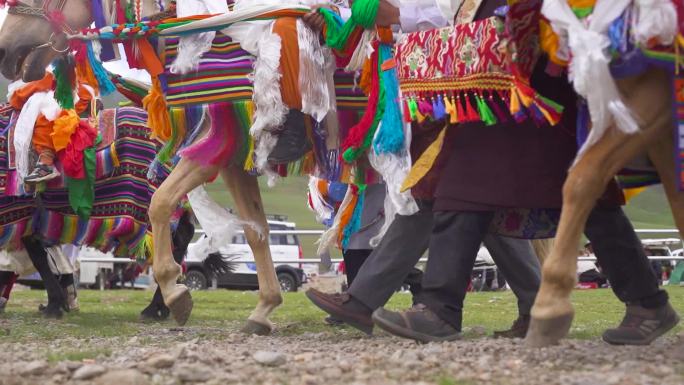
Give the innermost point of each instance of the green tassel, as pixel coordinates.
(130, 12)
(413, 109)
(485, 112)
(64, 74)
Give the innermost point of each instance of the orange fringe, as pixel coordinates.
(157, 112)
(346, 217)
(365, 80)
(64, 127)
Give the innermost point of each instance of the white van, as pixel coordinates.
(284, 247)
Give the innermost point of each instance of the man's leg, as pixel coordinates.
(622, 258)
(353, 260)
(455, 241)
(517, 261)
(383, 272)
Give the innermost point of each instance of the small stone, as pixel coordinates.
(34, 368)
(160, 361)
(89, 371)
(121, 377)
(269, 358)
(73, 365)
(193, 373)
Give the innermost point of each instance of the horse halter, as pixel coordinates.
(54, 16)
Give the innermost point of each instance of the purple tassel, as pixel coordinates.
(100, 21)
(494, 104)
(425, 108)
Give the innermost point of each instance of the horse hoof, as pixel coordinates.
(180, 304)
(52, 312)
(546, 332)
(253, 327)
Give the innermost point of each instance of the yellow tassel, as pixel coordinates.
(450, 108)
(157, 112)
(515, 101)
(114, 155)
(630, 193)
(424, 164)
(64, 126)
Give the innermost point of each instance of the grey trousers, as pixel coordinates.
(406, 241)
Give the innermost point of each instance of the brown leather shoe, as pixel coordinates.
(641, 326)
(417, 323)
(344, 308)
(517, 330)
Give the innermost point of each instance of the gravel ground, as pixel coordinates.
(171, 356)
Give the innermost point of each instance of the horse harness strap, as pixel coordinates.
(55, 15)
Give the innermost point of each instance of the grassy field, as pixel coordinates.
(219, 313)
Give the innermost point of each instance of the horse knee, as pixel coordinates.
(161, 207)
(582, 186)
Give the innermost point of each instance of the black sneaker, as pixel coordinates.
(41, 173)
(417, 323)
(641, 326)
(293, 142)
(517, 330)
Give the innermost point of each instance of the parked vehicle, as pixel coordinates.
(284, 248)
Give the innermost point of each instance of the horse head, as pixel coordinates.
(34, 33)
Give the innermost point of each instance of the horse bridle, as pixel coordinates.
(54, 16)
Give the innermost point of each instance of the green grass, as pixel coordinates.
(114, 314)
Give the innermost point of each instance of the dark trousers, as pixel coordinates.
(353, 260)
(622, 258)
(394, 258)
(457, 235)
(407, 239)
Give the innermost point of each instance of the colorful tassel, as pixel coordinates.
(157, 112)
(390, 137)
(413, 109)
(96, 9)
(65, 78)
(407, 112)
(104, 83)
(450, 108)
(494, 104)
(486, 114)
(460, 111)
(355, 221)
(439, 108)
(470, 114)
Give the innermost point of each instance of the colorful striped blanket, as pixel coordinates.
(118, 222)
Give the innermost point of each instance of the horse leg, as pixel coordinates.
(39, 258)
(7, 279)
(552, 312)
(245, 191)
(185, 176)
(157, 310)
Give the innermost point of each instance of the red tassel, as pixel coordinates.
(407, 112)
(471, 114)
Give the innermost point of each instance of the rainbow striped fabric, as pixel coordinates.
(119, 220)
(222, 75)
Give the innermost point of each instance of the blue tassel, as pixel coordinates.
(355, 222)
(390, 138)
(103, 81)
(582, 124)
(439, 108)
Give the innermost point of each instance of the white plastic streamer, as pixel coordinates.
(39, 103)
(589, 68)
(218, 223)
(312, 73)
(655, 19)
(318, 204)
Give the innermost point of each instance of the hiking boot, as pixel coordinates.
(517, 330)
(293, 142)
(417, 323)
(641, 325)
(343, 307)
(41, 173)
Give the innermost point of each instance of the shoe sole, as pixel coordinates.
(323, 305)
(42, 179)
(408, 333)
(652, 337)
